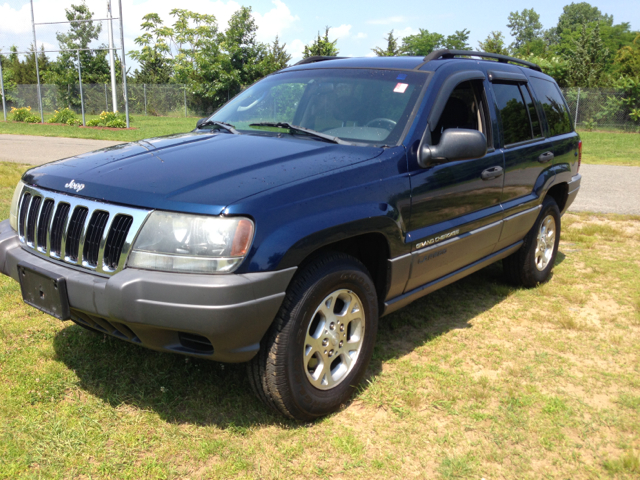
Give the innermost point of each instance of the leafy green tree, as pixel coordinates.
(277, 57)
(494, 43)
(95, 68)
(155, 59)
(422, 43)
(321, 46)
(24, 71)
(392, 50)
(627, 60)
(526, 28)
(458, 41)
(587, 58)
(575, 15)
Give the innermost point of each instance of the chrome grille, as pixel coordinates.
(76, 231)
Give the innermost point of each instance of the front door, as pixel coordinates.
(455, 207)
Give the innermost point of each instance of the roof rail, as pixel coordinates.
(315, 59)
(446, 53)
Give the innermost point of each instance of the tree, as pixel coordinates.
(155, 59)
(575, 15)
(392, 49)
(322, 47)
(494, 43)
(525, 27)
(277, 57)
(627, 60)
(422, 43)
(587, 59)
(458, 41)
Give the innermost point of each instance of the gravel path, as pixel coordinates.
(605, 188)
(35, 150)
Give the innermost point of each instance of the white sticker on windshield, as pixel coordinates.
(401, 87)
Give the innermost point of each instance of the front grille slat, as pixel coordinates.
(115, 240)
(43, 223)
(26, 200)
(57, 228)
(95, 230)
(74, 233)
(34, 210)
(89, 234)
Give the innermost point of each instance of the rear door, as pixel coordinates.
(527, 154)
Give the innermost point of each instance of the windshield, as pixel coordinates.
(356, 105)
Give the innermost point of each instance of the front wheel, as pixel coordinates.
(321, 342)
(533, 262)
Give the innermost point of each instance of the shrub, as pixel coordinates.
(74, 122)
(108, 119)
(65, 115)
(590, 125)
(32, 119)
(21, 114)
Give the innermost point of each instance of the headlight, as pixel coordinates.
(13, 212)
(177, 242)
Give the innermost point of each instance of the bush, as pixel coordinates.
(64, 116)
(74, 122)
(32, 119)
(108, 119)
(22, 114)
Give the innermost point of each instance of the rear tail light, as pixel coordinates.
(579, 154)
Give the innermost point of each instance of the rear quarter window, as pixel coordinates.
(553, 106)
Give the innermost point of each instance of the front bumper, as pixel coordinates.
(167, 311)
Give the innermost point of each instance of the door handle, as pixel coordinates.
(491, 173)
(545, 157)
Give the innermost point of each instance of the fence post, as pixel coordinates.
(35, 54)
(124, 66)
(575, 123)
(4, 102)
(185, 100)
(144, 88)
(81, 93)
(106, 99)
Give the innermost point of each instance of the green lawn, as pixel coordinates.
(477, 380)
(145, 127)
(609, 148)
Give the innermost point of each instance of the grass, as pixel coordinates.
(610, 148)
(477, 380)
(145, 127)
(602, 148)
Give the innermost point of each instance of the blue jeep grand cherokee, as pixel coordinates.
(323, 197)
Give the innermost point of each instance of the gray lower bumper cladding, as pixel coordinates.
(221, 317)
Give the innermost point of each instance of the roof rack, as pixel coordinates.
(315, 59)
(446, 53)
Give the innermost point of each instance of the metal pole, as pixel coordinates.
(124, 67)
(81, 94)
(35, 54)
(575, 124)
(106, 99)
(144, 87)
(114, 99)
(185, 100)
(4, 102)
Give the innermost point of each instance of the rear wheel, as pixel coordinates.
(321, 342)
(533, 262)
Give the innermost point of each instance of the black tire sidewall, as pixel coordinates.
(309, 400)
(549, 207)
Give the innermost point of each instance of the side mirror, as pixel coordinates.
(455, 144)
(201, 121)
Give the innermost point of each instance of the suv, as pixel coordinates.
(323, 197)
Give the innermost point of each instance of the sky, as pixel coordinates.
(358, 26)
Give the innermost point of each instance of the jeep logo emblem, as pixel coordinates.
(74, 186)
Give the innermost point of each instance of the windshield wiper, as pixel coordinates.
(227, 126)
(295, 128)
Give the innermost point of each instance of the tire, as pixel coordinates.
(304, 377)
(531, 265)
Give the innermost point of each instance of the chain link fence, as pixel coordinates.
(590, 108)
(596, 108)
(153, 100)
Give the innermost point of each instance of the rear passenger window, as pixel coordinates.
(513, 113)
(533, 113)
(553, 106)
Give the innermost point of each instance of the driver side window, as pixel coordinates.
(466, 108)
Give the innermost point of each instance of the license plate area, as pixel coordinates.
(44, 290)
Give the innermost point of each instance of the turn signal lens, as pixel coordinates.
(579, 154)
(242, 238)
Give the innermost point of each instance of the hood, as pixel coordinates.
(194, 172)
